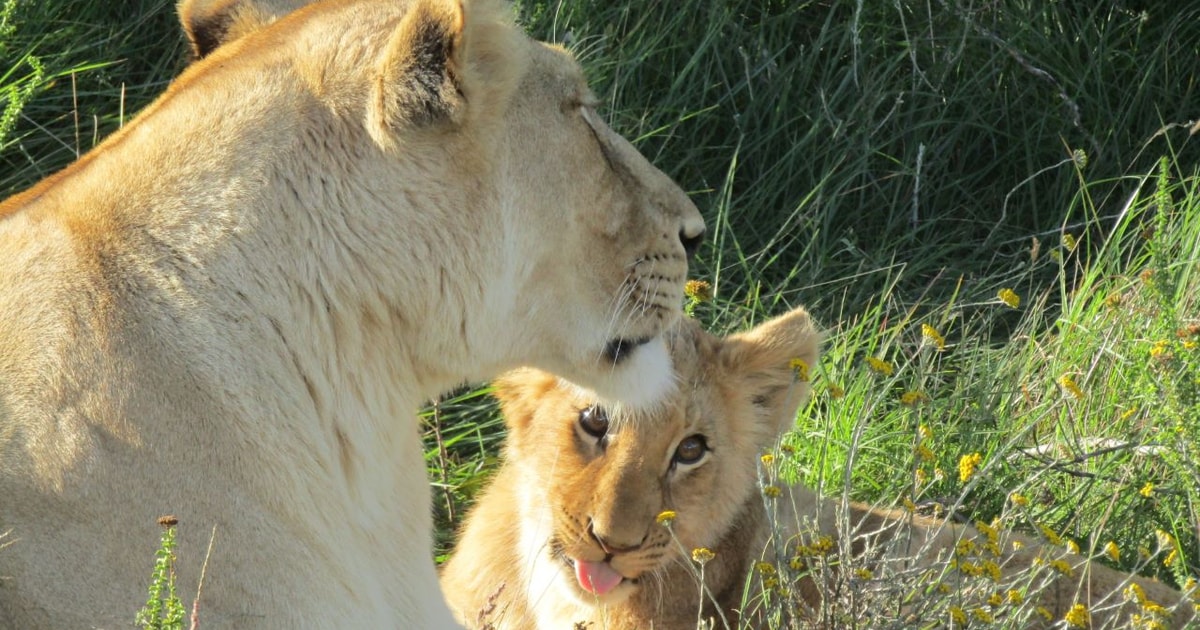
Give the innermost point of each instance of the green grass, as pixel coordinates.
(888, 164)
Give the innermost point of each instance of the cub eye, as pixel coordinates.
(690, 450)
(594, 421)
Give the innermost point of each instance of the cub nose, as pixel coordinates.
(691, 236)
(609, 545)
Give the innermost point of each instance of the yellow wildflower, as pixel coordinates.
(863, 574)
(992, 533)
(770, 584)
(958, 616)
(1019, 499)
(1072, 546)
(765, 568)
(879, 366)
(909, 505)
(697, 290)
(1009, 297)
(964, 547)
(924, 431)
(836, 391)
(767, 459)
(1113, 551)
(922, 476)
(1135, 593)
(912, 397)
(665, 518)
(967, 465)
(995, 599)
(1069, 384)
(1146, 623)
(1045, 613)
(1147, 490)
(992, 569)
(1154, 608)
(932, 334)
(1078, 616)
(701, 555)
(1015, 597)
(1050, 535)
(772, 491)
(800, 368)
(1062, 566)
(1189, 585)
(983, 615)
(796, 564)
(924, 453)
(1171, 558)
(944, 588)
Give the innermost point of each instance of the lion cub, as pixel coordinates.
(568, 533)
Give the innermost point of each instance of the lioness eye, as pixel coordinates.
(594, 421)
(691, 449)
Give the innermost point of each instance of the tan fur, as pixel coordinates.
(560, 494)
(230, 310)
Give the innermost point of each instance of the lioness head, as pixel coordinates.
(605, 480)
(562, 225)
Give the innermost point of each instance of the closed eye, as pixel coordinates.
(590, 117)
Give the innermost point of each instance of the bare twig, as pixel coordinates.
(199, 587)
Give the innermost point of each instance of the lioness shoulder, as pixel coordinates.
(570, 531)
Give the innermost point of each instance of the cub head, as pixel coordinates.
(550, 240)
(596, 481)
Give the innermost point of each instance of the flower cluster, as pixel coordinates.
(1009, 297)
(879, 366)
(967, 465)
(800, 369)
(935, 337)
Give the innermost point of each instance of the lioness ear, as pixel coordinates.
(446, 60)
(772, 364)
(421, 78)
(209, 24)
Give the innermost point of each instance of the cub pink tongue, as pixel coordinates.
(596, 577)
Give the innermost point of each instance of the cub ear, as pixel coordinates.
(762, 362)
(520, 393)
(210, 23)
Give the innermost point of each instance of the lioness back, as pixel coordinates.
(570, 533)
(230, 309)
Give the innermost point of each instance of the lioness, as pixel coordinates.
(568, 533)
(230, 310)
